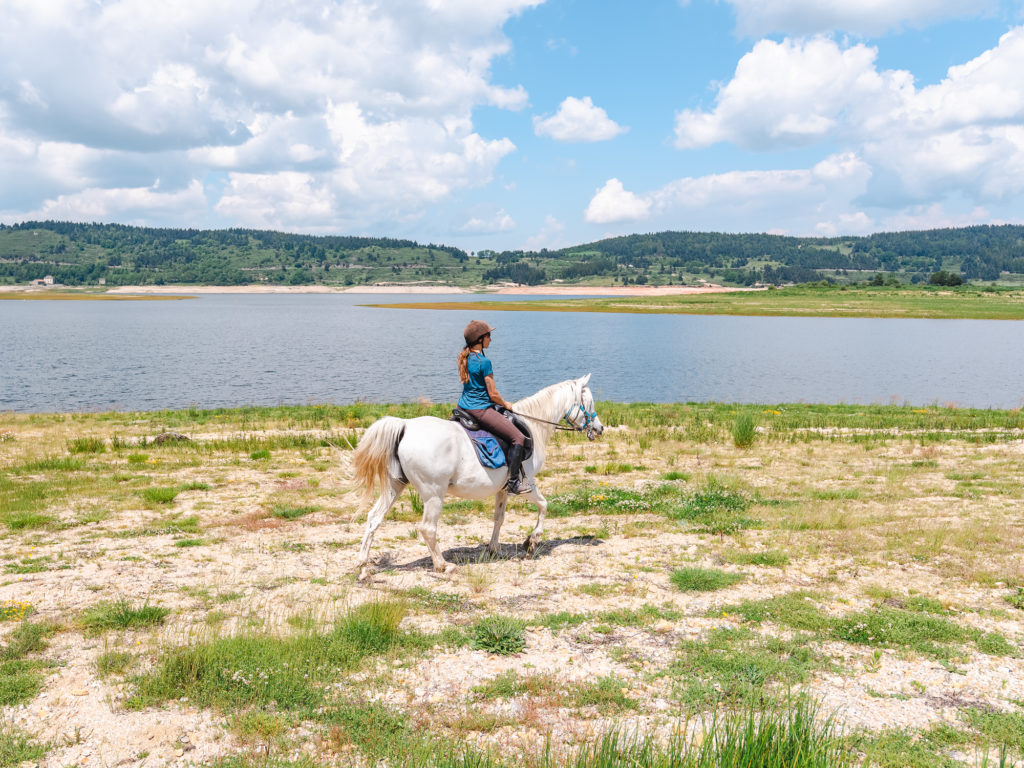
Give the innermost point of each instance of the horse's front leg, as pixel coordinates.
(428, 529)
(500, 501)
(538, 530)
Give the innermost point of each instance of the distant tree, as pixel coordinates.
(942, 277)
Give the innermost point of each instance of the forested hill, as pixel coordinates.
(82, 254)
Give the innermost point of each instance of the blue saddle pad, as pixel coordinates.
(487, 448)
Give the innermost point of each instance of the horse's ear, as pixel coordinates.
(583, 380)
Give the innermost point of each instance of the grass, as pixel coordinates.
(501, 635)
(922, 633)
(17, 747)
(767, 559)
(794, 610)
(286, 512)
(287, 672)
(21, 678)
(111, 663)
(160, 495)
(121, 615)
(796, 301)
(737, 667)
(744, 430)
(702, 579)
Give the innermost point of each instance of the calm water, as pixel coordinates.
(228, 350)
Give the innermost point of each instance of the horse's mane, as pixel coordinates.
(544, 404)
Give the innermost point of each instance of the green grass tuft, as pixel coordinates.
(502, 635)
(87, 445)
(291, 513)
(121, 614)
(17, 747)
(703, 579)
(744, 430)
(159, 495)
(769, 559)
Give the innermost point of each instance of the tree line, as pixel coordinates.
(79, 254)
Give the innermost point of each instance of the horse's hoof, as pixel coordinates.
(530, 545)
(364, 575)
(447, 568)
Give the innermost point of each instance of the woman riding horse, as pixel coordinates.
(480, 396)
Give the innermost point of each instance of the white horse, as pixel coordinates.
(437, 457)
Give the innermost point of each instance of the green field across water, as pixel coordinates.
(797, 301)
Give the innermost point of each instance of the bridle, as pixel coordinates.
(572, 415)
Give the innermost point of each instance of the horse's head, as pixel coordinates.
(582, 414)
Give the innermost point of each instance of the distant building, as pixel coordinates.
(48, 280)
(39, 281)
(102, 281)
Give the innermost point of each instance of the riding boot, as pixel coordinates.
(516, 483)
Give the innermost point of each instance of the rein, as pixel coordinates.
(556, 424)
(589, 415)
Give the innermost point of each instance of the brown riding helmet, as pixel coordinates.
(475, 331)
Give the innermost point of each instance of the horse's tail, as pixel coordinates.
(376, 457)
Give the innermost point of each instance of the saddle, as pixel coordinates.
(474, 428)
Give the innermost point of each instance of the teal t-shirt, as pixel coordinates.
(474, 391)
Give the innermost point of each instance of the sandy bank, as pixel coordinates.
(522, 290)
(285, 289)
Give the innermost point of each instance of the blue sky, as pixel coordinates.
(514, 123)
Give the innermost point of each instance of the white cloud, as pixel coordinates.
(369, 103)
(578, 120)
(551, 235)
(614, 203)
(499, 221)
(865, 17)
(964, 134)
(129, 205)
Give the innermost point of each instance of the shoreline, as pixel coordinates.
(505, 290)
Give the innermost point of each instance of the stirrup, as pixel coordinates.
(519, 487)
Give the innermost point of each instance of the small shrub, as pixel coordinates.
(87, 445)
(135, 459)
(744, 430)
(121, 614)
(185, 543)
(703, 579)
(502, 635)
(261, 454)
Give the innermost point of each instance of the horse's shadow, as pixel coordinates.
(479, 555)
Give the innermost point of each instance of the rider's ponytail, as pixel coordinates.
(464, 365)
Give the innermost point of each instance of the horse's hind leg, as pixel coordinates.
(374, 518)
(538, 530)
(432, 506)
(500, 501)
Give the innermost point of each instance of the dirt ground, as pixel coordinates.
(857, 526)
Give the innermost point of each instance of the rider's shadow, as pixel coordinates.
(479, 555)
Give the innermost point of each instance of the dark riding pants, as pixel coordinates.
(494, 422)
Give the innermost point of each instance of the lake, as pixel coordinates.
(270, 349)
